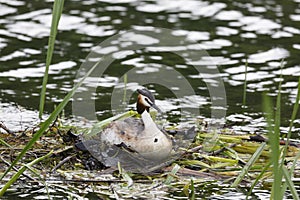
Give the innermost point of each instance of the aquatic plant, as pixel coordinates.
(56, 14)
(278, 154)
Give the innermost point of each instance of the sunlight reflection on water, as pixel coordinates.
(224, 33)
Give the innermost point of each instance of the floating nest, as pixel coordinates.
(72, 171)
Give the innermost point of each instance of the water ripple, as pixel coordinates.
(38, 71)
(5, 10)
(272, 54)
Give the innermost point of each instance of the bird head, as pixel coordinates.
(145, 101)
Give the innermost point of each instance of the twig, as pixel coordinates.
(62, 162)
(14, 168)
(195, 149)
(108, 181)
(189, 172)
(5, 128)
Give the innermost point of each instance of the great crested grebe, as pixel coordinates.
(140, 139)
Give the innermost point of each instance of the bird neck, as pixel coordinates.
(148, 122)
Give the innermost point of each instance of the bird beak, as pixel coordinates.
(156, 107)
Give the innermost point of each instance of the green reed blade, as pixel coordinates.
(274, 134)
(192, 188)
(297, 157)
(291, 172)
(99, 126)
(49, 121)
(125, 89)
(274, 145)
(21, 171)
(172, 174)
(125, 175)
(56, 14)
(258, 178)
(245, 84)
(248, 165)
(294, 113)
(269, 115)
(4, 143)
(290, 183)
(293, 117)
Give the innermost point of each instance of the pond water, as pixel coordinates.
(153, 39)
(231, 34)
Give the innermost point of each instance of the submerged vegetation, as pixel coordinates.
(46, 158)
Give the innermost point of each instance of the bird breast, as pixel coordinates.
(140, 136)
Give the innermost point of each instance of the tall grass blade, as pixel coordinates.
(125, 175)
(293, 117)
(258, 178)
(294, 113)
(246, 168)
(274, 145)
(291, 172)
(290, 183)
(5, 143)
(193, 194)
(50, 119)
(294, 163)
(56, 14)
(125, 88)
(97, 127)
(245, 84)
(21, 171)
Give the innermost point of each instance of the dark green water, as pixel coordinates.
(231, 33)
